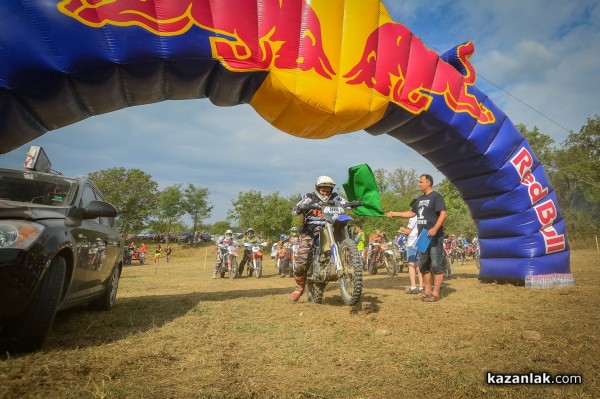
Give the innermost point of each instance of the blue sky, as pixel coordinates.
(544, 53)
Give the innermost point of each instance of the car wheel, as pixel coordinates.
(108, 299)
(28, 332)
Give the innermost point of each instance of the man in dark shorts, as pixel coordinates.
(430, 210)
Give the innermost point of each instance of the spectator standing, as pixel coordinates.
(157, 252)
(168, 252)
(128, 255)
(411, 252)
(359, 239)
(430, 210)
(375, 241)
(143, 250)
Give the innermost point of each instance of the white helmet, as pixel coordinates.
(228, 232)
(324, 181)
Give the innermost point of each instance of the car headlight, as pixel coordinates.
(19, 234)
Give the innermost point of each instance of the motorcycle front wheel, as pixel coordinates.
(350, 280)
(233, 272)
(448, 267)
(258, 270)
(315, 291)
(390, 265)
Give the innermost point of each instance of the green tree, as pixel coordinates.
(404, 182)
(132, 191)
(541, 144)
(577, 181)
(170, 207)
(196, 205)
(459, 218)
(219, 228)
(268, 215)
(381, 179)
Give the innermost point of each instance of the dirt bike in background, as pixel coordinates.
(255, 258)
(230, 263)
(281, 254)
(274, 251)
(334, 256)
(287, 259)
(400, 252)
(448, 261)
(381, 256)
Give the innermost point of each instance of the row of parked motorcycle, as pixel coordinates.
(230, 266)
(392, 257)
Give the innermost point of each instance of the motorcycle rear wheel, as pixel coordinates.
(351, 279)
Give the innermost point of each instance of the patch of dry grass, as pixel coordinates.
(177, 333)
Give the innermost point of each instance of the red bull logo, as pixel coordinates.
(247, 37)
(384, 66)
(547, 211)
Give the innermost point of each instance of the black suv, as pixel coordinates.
(59, 248)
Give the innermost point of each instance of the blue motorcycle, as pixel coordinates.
(334, 256)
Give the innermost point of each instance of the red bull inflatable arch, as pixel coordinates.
(343, 65)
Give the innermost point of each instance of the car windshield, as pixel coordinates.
(37, 188)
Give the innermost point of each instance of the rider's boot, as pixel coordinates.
(216, 271)
(300, 283)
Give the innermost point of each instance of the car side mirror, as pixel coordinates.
(98, 209)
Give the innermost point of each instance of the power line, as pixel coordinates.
(509, 94)
(524, 103)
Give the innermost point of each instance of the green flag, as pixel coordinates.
(361, 186)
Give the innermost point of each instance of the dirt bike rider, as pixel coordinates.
(281, 250)
(462, 243)
(223, 242)
(380, 238)
(249, 238)
(292, 239)
(311, 226)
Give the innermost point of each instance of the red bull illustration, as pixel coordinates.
(248, 39)
(313, 69)
(384, 64)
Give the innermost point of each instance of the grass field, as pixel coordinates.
(177, 333)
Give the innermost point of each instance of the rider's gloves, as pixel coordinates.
(353, 204)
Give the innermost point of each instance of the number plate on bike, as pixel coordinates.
(333, 210)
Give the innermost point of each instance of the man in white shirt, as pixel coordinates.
(411, 232)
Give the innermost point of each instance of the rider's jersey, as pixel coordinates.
(227, 241)
(377, 238)
(314, 217)
(253, 240)
(293, 240)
